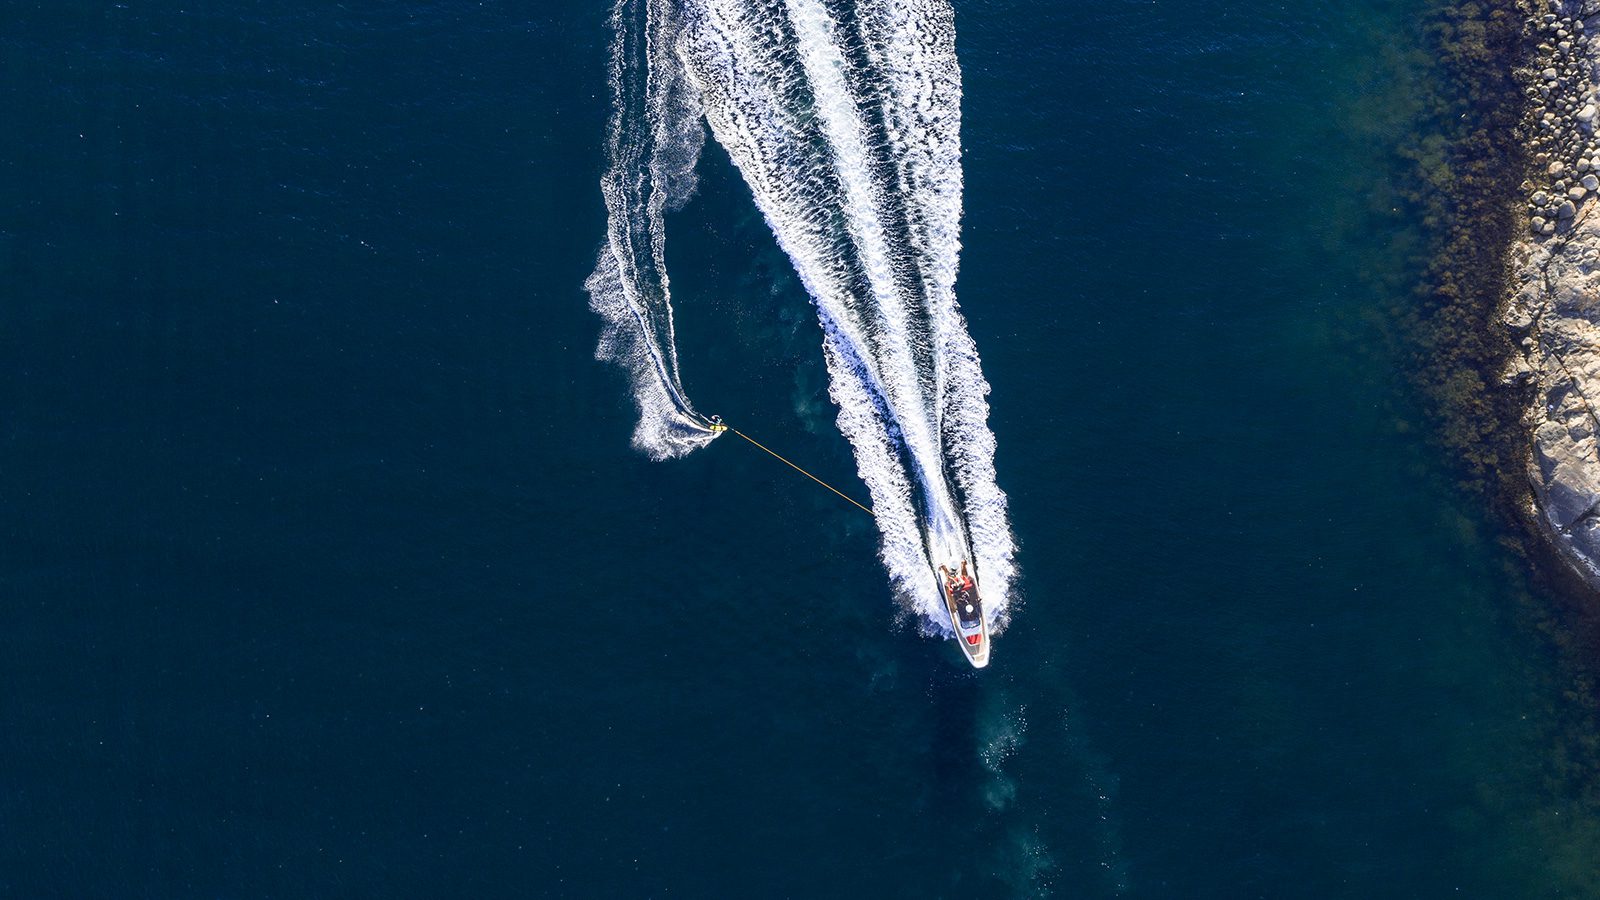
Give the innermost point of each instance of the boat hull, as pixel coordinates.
(973, 638)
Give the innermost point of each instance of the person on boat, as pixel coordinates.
(950, 583)
(963, 592)
(962, 595)
(957, 584)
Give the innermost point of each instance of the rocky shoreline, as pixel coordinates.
(1553, 312)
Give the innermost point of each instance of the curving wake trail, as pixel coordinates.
(653, 144)
(844, 120)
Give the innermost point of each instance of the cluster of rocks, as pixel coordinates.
(1554, 310)
(1562, 111)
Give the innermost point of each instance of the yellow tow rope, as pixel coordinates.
(719, 426)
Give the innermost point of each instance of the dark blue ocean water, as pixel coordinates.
(327, 569)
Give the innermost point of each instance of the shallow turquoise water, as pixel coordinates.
(328, 569)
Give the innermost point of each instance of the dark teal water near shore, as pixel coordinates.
(327, 569)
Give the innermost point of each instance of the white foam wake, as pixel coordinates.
(653, 144)
(844, 120)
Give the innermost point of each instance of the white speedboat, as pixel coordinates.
(961, 600)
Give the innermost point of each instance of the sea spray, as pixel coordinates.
(653, 143)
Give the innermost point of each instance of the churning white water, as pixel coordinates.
(844, 120)
(653, 143)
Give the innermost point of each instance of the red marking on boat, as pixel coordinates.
(974, 639)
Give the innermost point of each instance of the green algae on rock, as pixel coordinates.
(1464, 171)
